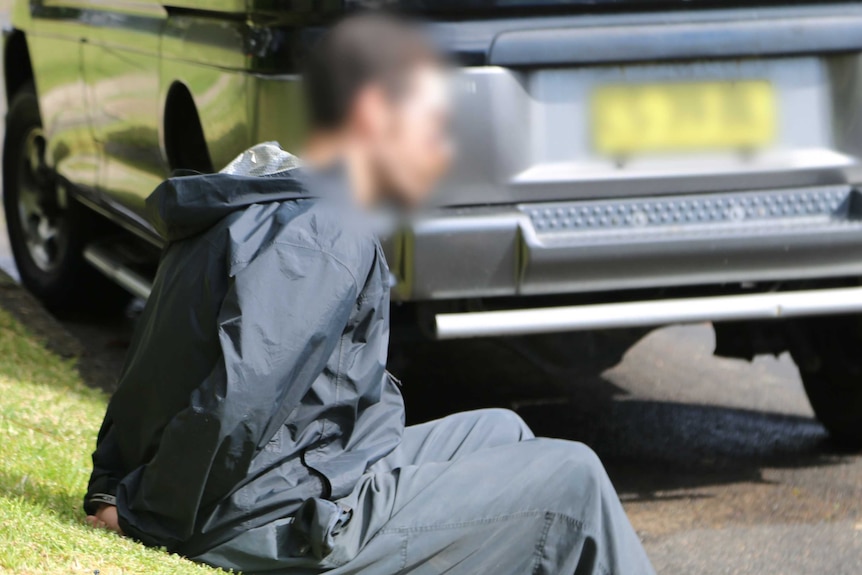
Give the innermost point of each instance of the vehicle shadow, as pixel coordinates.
(654, 447)
(651, 448)
(96, 343)
(105, 340)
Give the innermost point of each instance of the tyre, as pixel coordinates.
(47, 239)
(829, 359)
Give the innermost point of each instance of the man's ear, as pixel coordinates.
(370, 110)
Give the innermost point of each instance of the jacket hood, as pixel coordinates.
(190, 203)
(186, 205)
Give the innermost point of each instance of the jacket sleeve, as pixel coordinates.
(281, 319)
(107, 470)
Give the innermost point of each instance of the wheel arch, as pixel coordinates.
(185, 145)
(18, 70)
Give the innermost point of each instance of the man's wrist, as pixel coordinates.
(99, 501)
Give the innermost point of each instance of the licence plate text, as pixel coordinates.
(636, 118)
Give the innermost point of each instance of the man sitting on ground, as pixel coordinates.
(255, 427)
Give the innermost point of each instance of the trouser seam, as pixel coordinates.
(404, 539)
(540, 546)
(579, 525)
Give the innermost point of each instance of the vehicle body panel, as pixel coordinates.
(57, 62)
(597, 246)
(120, 63)
(552, 156)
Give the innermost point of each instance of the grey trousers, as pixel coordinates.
(473, 493)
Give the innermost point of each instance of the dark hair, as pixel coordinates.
(362, 49)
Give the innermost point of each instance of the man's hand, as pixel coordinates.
(105, 518)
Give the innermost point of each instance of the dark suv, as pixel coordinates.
(625, 163)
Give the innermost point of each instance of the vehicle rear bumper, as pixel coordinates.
(601, 245)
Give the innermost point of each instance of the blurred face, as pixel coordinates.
(408, 136)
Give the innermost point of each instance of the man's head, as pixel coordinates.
(378, 83)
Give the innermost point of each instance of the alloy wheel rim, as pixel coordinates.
(43, 227)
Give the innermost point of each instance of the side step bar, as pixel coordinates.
(109, 264)
(649, 313)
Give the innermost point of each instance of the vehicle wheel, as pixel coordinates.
(830, 363)
(47, 239)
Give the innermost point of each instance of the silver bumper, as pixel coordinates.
(649, 313)
(598, 245)
(589, 246)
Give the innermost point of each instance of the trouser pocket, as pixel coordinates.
(316, 525)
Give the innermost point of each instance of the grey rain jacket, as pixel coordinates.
(254, 388)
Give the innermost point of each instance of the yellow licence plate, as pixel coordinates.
(635, 118)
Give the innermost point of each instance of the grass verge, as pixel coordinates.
(48, 425)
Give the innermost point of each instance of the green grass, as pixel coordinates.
(48, 425)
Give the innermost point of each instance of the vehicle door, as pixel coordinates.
(121, 68)
(55, 43)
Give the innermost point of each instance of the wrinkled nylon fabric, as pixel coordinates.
(255, 379)
(473, 493)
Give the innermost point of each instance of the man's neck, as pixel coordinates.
(326, 150)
